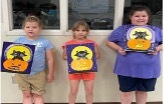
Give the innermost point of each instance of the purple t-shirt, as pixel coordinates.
(136, 64)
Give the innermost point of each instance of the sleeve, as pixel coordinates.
(117, 35)
(49, 45)
(18, 40)
(91, 41)
(159, 35)
(95, 44)
(67, 43)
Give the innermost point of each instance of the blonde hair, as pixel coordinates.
(32, 19)
(80, 24)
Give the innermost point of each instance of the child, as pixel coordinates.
(33, 85)
(80, 31)
(137, 71)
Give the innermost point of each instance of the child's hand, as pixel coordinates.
(50, 78)
(156, 50)
(122, 51)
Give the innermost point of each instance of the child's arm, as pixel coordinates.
(97, 52)
(51, 66)
(64, 56)
(116, 47)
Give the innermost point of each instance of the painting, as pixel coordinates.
(81, 58)
(17, 58)
(140, 39)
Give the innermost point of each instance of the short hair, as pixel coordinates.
(32, 19)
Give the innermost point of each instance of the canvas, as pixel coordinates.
(81, 58)
(17, 58)
(140, 39)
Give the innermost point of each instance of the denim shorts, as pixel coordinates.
(128, 84)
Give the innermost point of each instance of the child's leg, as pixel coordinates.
(144, 86)
(141, 97)
(38, 99)
(74, 85)
(88, 85)
(126, 97)
(27, 97)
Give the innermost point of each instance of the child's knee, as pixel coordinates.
(27, 95)
(36, 95)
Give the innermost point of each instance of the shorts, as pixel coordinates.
(33, 83)
(83, 76)
(128, 84)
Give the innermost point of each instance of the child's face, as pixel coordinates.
(80, 33)
(139, 18)
(32, 29)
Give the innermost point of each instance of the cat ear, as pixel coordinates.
(24, 53)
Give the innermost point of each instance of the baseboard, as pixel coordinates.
(94, 103)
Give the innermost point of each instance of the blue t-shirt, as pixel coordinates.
(39, 59)
(136, 64)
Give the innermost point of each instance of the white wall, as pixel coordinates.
(106, 87)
